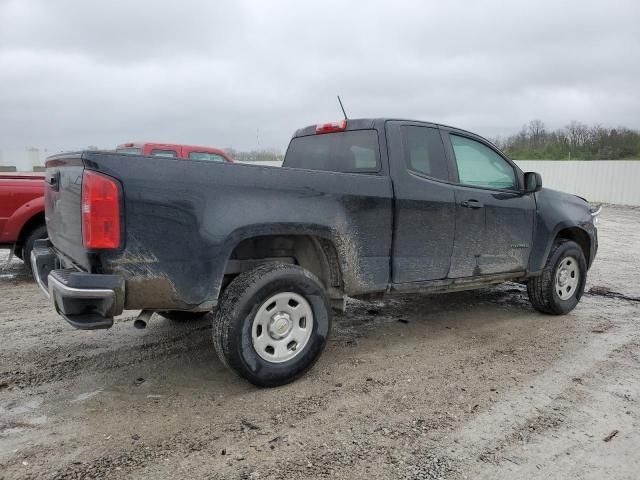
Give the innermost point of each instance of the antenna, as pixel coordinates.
(342, 107)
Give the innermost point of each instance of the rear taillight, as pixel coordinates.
(340, 126)
(100, 211)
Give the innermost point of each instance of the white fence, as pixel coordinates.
(264, 163)
(608, 181)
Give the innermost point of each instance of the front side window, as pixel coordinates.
(480, 166)
(164, 153)
(207, 156)
(424, 151)
(353, 151)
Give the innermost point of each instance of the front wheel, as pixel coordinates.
(559, 289)
(272, 324)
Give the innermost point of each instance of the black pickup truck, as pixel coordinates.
(360, 208)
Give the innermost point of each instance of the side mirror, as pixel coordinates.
(532, 182)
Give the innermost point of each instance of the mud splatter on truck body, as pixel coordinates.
(182, 225)
(356, 204)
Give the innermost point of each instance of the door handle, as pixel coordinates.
(471, 204)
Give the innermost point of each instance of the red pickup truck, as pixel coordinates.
(21, 213)
(22, 196)
(171, 150)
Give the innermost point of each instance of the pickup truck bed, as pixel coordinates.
(176, 253)
(362, 207)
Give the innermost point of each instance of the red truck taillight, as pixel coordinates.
(100, 211)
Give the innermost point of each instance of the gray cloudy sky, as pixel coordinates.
(247, 73)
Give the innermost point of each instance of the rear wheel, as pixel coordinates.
(272, 324)
(559, 289)
(37, 233)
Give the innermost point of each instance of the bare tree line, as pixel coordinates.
(574, 141)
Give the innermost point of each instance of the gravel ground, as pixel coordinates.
(463, 385)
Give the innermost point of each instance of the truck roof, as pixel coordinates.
(367, 123)
(364, 123)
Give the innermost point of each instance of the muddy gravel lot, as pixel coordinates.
(463, 385)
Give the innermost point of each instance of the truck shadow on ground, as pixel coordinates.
(189, 358)
(171, 362)
(13, 271)
(182, 354)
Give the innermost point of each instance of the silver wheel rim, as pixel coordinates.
(567, 278)
(282, 327)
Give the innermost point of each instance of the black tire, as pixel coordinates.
(233, 323)
(181, 316)
(38, 233)
(542, 289)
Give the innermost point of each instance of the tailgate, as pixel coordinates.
(62, 198)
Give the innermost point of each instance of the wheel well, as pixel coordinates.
(29, 226)
(579, 236)
(316, 254)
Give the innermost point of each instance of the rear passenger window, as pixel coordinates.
(424, 151)
(207, 156)
(353, 151)
(163, 153)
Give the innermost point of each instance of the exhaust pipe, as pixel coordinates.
(141, 320)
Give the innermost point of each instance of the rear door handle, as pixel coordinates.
(471, 204)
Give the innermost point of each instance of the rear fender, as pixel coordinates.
(343, 243)
(16, 222)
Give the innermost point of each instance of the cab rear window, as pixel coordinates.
(130, 151)
(207, 156)
(353, 151)
(164, 153)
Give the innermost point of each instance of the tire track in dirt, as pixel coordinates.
(79, 360)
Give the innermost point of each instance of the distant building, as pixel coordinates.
(33, 157)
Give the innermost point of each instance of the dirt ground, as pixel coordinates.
(467, 385)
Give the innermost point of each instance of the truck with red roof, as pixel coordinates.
(170, 150)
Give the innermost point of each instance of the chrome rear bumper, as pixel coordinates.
(85, 300)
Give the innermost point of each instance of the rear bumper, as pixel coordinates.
(87, 301)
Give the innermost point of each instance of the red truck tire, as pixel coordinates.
(37, 233)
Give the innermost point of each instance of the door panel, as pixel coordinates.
(424, 206)
(493, 237)
(494, 220)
